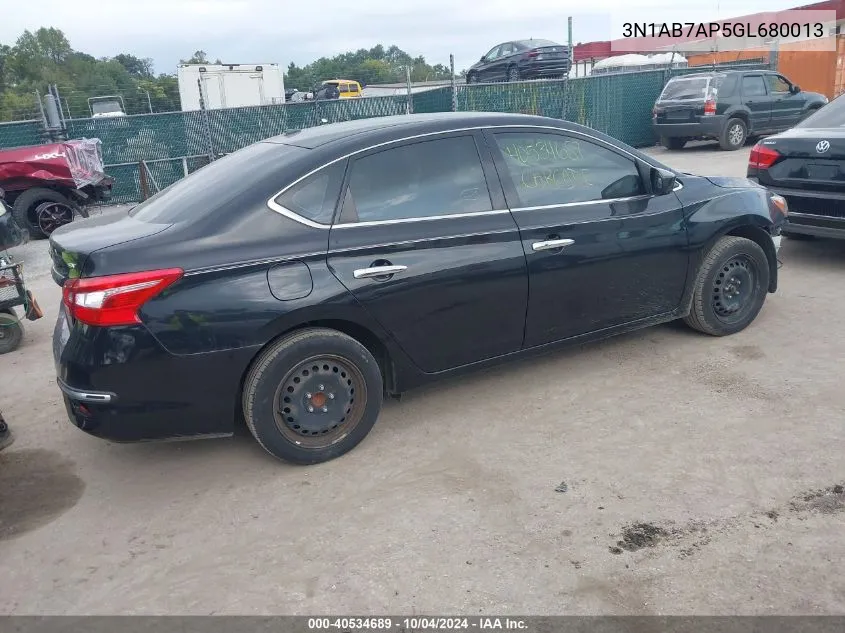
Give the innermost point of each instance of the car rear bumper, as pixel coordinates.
(120, 384)
(550, 68)
(816, 213)
(709, 127)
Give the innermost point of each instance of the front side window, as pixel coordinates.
(430, 178)
(777, 83)
(753, 86)
(550, 169)
(493, 54)
(315, 197)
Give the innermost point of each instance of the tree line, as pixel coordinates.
(44, 57)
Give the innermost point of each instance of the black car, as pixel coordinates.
(729, 106)
(806, 165)
(297, 281)
(522, 59)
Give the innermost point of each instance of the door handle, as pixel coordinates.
(550, 245)
(378, 271)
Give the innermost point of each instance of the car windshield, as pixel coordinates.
(680, 88)
(831, 115)
(105, 107)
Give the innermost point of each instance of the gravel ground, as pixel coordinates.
(661, 472)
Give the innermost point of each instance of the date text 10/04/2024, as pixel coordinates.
(416, 623)
(723, 29)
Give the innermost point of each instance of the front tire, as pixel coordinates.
(730, 288)
(313, 395)
(734, 135)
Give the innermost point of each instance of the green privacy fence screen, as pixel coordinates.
(20, 133)
(176, 143)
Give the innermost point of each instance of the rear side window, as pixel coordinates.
(753, 86)
(430, 178)
(831, 115)
(315, 197)
(727, 86)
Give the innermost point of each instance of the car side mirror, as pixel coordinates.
(662, 181)
(795, 89)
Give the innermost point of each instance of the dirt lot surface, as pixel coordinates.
(662, 472)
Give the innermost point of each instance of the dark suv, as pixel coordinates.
(729, 106)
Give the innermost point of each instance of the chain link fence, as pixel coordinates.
(174, 144)
(21, 133)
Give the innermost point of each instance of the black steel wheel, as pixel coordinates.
(734, 288)
(312, 395)
(316, 402)
(730, 288)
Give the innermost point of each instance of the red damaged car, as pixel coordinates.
(48, 185)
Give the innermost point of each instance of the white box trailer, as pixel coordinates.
(230, 85)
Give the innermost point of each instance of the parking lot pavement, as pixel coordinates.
(660, 472)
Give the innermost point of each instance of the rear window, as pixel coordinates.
(831, 115)
(685, 88)
(537, 43)
(220, 184)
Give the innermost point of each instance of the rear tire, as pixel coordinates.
(673, 142)
(34, 208)
(513, 74)
(734, 135)
(313, 395)
(730, 288)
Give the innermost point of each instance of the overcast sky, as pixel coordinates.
(284, 31)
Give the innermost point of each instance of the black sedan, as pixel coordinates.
(806, 165)
(522, 59)
(299, 280)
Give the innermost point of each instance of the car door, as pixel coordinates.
(786, 107)
(601, 251)
(484, 72)
(431, 251)
(506, 51)
(756, 98)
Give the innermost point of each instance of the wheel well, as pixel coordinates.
(761, 237)
(742, 116)
(358, 332)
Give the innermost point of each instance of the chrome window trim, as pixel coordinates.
(274, 206)
(352, 225)
(253, 262)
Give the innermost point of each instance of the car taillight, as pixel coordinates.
(710, 107)
(762, 157)
(532, 54)
(115, 299)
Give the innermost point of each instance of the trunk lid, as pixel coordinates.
(551, 52)
(810, 158)
(73, 245)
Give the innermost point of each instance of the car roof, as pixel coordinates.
(718, 71)
(403, 125)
